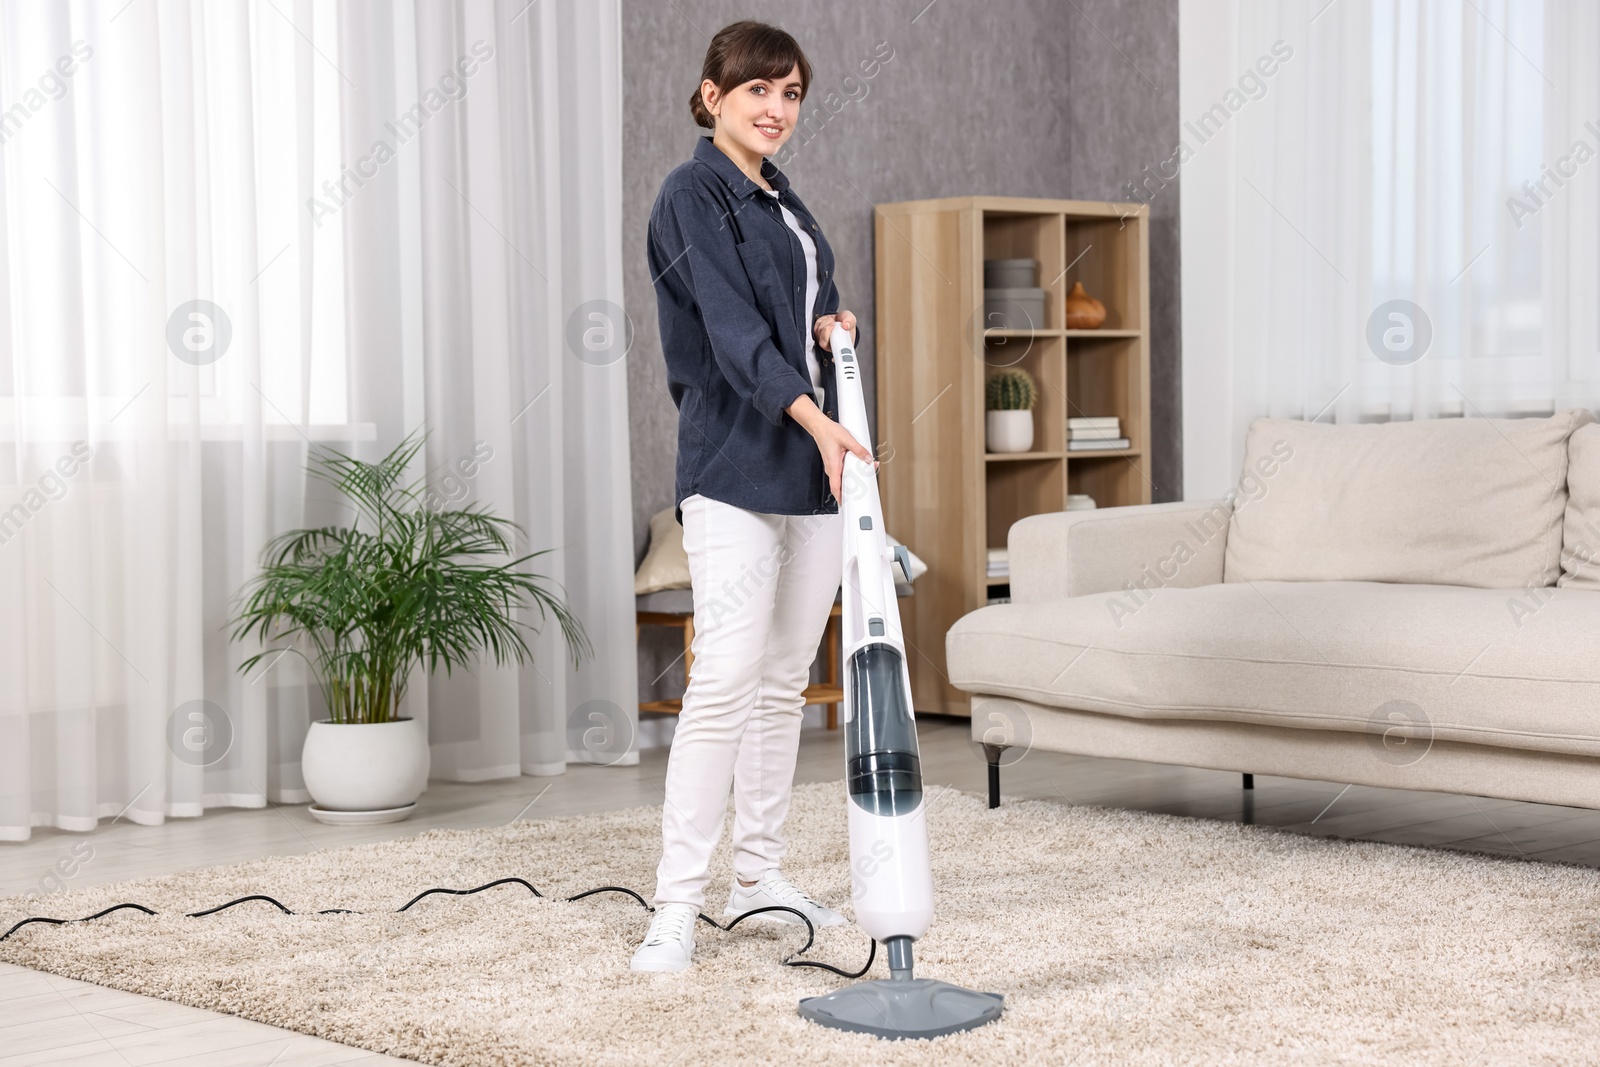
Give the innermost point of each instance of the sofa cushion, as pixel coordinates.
(1475, 502)
(1580, 542)
(1513, 668)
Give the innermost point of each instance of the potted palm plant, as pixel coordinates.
(406, 583)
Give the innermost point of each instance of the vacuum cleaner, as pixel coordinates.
(891, 880)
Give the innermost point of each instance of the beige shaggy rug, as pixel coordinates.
(1115, 936)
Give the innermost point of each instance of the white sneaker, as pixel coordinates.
(669, 946)
(774, 890)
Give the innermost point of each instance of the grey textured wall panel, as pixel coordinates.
(1123, 92)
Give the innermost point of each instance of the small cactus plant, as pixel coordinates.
(1011, 389)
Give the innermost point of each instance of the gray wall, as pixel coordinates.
(1000, 97)
(1123, 92)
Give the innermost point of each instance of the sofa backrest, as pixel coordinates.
(1476, 502)
(1580, 548)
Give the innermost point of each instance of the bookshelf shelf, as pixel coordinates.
(1002, 457)
(944, 493)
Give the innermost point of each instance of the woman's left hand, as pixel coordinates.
(823, 330)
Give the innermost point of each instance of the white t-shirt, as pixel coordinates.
(812, 287)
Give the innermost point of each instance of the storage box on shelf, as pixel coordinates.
(953, 500)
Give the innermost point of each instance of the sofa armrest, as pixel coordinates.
(1074, 553)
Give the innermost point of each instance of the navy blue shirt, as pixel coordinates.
(730, 294)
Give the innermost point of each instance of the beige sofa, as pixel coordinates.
(1405, 604)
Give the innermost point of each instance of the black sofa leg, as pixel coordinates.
(992, 754)
(1249, 781)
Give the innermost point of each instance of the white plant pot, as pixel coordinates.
(373, 771)
(1009, 431)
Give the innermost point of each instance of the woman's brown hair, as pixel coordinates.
(744, 51)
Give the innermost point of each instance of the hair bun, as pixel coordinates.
(697, 109)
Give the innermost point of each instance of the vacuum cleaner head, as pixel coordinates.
(892, 881)
(904, 1008)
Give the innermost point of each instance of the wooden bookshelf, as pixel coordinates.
(944, 495)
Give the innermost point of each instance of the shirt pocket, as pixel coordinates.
(772, 297)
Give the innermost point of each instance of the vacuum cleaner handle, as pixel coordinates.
(852, 404)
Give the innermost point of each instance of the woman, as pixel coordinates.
(746, 299)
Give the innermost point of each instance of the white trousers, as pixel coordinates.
(763, 588)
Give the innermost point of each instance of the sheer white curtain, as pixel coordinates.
(1398, 222)
(230, 232)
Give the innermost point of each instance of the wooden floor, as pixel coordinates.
(49, 1020)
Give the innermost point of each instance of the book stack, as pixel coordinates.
(999, 566)
(1101, 433)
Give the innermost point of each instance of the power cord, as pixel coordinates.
(791, 960)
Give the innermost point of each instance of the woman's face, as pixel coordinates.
(760, 115)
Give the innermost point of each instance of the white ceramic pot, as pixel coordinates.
(1009, 431)
(366, 767)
